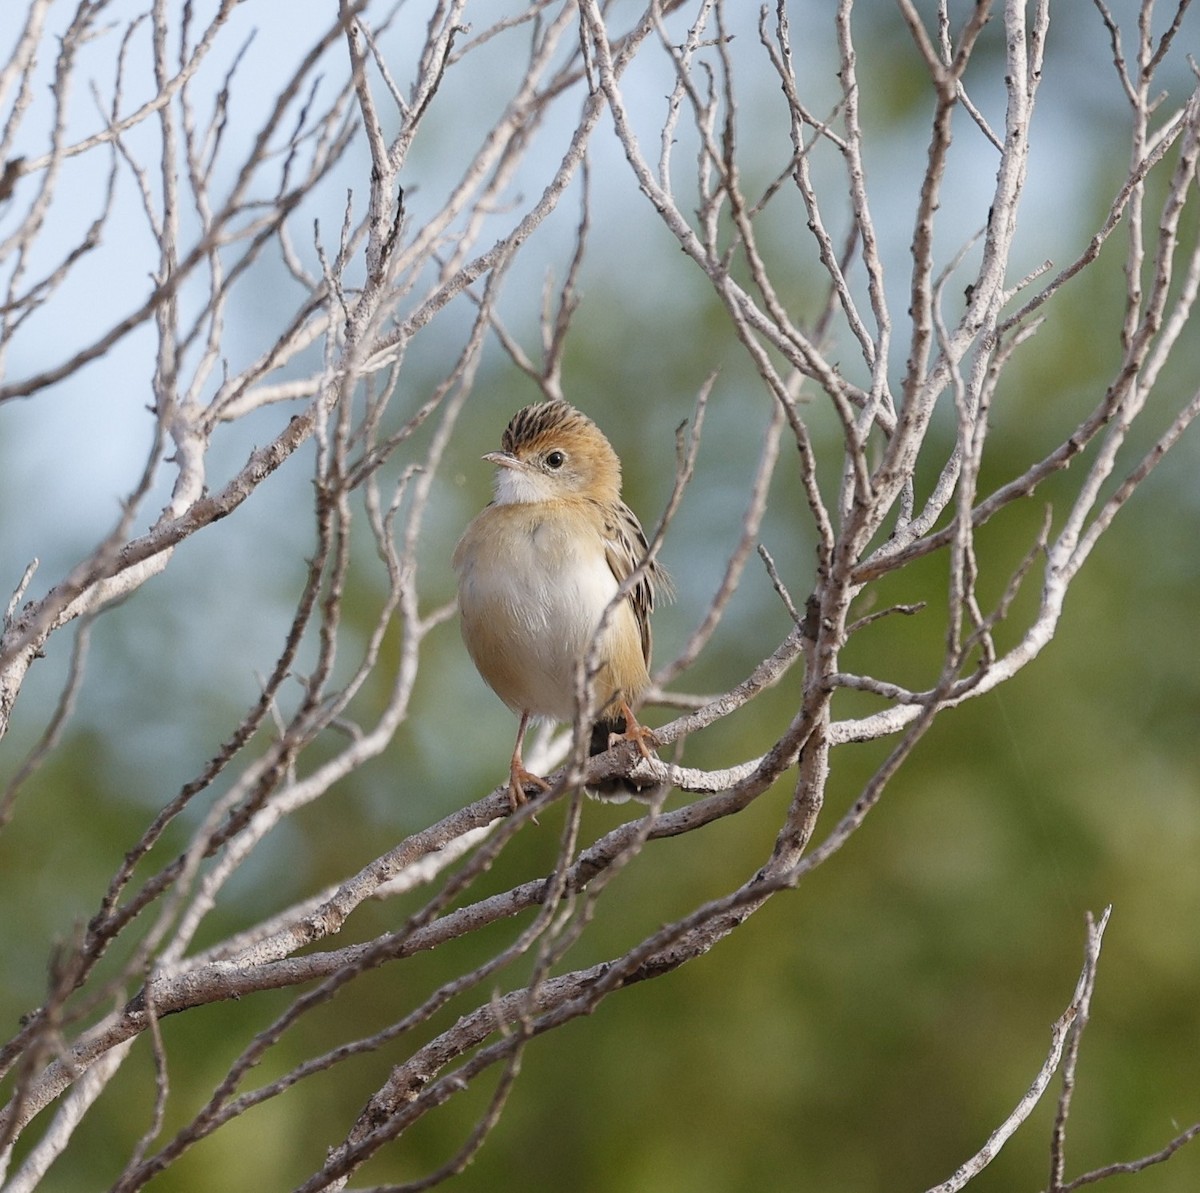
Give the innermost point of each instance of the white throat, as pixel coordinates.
(517, 486)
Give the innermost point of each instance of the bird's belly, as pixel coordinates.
(529, 621)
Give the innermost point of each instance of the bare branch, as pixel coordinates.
(1060, 1032)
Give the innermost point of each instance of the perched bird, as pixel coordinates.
(536, 571)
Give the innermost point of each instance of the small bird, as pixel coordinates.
(536, 571)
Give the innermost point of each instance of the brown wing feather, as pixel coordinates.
(625, 547)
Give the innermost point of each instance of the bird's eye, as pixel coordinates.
(555, 460)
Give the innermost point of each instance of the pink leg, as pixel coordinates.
(518, 777)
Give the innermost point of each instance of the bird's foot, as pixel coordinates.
(642, 736)
(518, 780)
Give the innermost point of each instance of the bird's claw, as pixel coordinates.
(518, 780)
(642, 736)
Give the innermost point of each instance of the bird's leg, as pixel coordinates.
(641, 735)
(518, 777)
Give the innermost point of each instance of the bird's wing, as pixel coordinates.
(625, 547)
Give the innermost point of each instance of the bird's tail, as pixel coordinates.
(618, 788)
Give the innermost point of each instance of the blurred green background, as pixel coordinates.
(862, 1034)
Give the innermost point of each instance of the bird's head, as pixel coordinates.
(551, 451)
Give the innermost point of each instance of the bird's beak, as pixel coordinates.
(503, 460)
